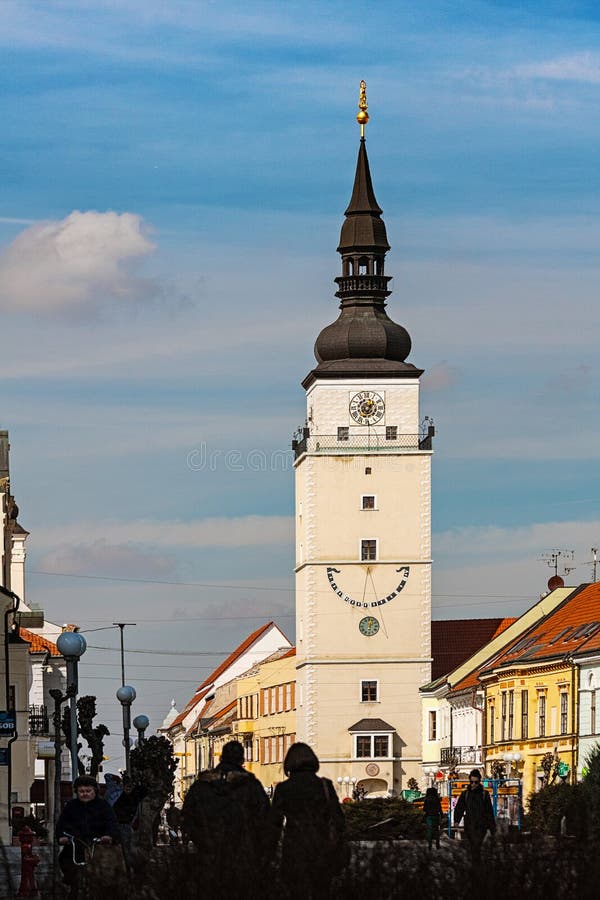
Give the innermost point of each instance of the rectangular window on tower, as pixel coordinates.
(369, 691)
(368, 501)
(368, 549)
(343, 433)
(363, 746)
(391, 433)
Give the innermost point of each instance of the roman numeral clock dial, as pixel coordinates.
(367, 408)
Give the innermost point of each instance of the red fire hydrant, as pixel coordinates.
(29, 860)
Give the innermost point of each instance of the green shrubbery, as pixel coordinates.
(578, 803)
(366, 819)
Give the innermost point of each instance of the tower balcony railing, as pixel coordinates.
(355, 444)
(363, 284)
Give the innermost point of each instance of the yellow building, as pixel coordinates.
(266, 715)
(532, 688)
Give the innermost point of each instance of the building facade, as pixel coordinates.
(363, 526)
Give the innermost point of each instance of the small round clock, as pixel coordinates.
(368, 626)
(367, 408)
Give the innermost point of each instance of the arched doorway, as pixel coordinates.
(374, 787)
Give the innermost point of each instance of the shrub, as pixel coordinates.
(362, 818)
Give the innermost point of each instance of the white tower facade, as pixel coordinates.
(363, 529)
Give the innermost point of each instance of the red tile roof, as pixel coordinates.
(453, 641)
(204, 688)
(572, 630)
(38, 644)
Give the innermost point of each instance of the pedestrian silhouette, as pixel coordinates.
(475, 805)
(432, 808)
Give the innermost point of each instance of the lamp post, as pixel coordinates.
(126, 696)
(429, 772)
(140, 723)
(509, 759)
(72, 646)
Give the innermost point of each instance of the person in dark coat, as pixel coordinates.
(85, 818)
(225, 813)
(475, 805)
(432, 808)
(125, 809)
(313, 836)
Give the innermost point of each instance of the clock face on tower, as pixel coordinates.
(367, 602)
(367, 408)
(368, 626)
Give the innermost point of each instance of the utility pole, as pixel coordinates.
(122, 625)
(594, 563)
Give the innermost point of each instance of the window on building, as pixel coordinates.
(564, 712)
(368, 501)
(369, 691)
(524, 714)
(492, 723)
(432, 725)
(391, 433)
(511, 714)
(368, 470)
(593, 712)
(368, 549)
(381, 743)
(288, 696)
(363, 746)
(503, 718)
(343, 433)
(541, 715)
(372, 746)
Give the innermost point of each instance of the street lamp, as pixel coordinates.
(509, 759)
(126, 696)
(430, 772)
(72, 646)
(140, 723)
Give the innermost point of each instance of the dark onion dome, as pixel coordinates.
(363, 333)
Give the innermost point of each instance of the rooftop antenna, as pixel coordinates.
(554, 558)
(593, 562)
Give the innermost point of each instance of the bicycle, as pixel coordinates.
(92, 872)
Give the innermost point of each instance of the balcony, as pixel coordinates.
(39, 723)
(356, 444)
(460, 755)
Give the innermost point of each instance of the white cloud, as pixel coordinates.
(76, 265)
(243, 531)
(584, 67)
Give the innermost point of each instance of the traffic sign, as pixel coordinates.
(8, 723)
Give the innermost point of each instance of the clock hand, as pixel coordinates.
(381, 607)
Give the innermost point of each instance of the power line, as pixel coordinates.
(234, 587)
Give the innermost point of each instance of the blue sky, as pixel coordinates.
(174, 179)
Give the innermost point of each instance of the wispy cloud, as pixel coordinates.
(242, 531)
(121, 561)
(582, 67)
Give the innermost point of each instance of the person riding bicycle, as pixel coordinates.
(85, 819)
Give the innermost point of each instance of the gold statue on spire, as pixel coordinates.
(363, 116)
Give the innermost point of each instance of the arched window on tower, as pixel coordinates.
(379, 265)
(363, 266)
(346, 267)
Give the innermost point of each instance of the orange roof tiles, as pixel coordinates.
(37, 643)
(573, 629)
(204, 688)
(453, 641)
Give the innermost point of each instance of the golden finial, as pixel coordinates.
(363, 116)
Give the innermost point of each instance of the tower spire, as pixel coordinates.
(363, 340)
